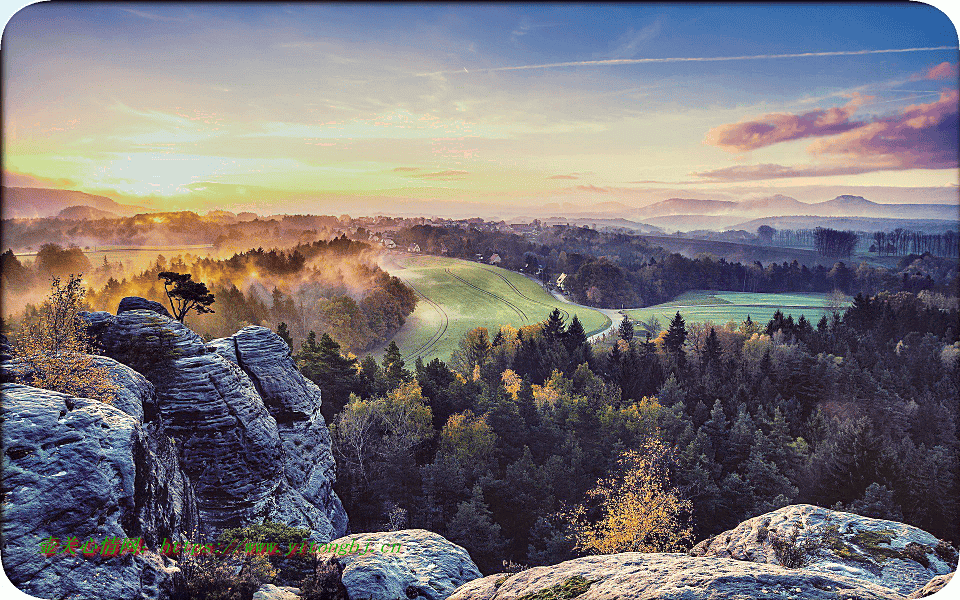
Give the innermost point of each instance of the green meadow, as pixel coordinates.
(721, 307)
(457, 296)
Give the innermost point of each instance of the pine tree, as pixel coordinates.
(284, 334)
(393, 366)
(676, 336)
(473, 528)
(625, 330)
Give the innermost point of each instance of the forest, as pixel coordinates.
(501, 450)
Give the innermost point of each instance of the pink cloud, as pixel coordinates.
(922, 136)
(563, 177)
(447, 175)
(944, 70)
(592, 188)
(771, 171)
(781, 127)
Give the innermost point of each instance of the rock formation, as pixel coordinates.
(819, 540)
(411, 563)
(248, 424)
(662, 576)
(200, 438)
(83, 469)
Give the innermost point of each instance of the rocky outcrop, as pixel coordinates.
(247, 425)
(632, 575)
(137, 303)
(294, 402)
(80, 468)
(888, 553)
(412, 563)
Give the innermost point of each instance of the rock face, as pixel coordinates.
(632, 575)
(247, 425)
(424, 565)
(888, 553)
(79, 468)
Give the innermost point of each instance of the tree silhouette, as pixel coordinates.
(186, 294)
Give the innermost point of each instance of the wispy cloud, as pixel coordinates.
(638, 61)
(632, 42)
(563, 177)
(448, 175)
(152, 16)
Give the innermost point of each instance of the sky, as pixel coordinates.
(479, 109)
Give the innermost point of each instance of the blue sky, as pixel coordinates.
(191, 105)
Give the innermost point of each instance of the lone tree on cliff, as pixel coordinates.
(186, 294)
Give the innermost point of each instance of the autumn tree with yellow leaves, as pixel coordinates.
(639, 512)
(55, 350)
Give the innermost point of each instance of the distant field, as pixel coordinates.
(132, 257)
(457, 296)
(721, 307)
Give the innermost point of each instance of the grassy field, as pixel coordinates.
(720, 307)
(458, 295)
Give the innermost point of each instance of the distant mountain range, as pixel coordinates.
(31, 203)
(776, 206)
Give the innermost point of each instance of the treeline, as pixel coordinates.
(226, 232)
(900, 242)
(334, 286)
(833, 243)
(856, 412)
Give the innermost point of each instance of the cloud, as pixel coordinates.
(406, 169)
(922, 136)
(563, 177)
(781, 127)
(593, 188)
(448, 175)
(771, 171)
(944, 70)
(638, 61)
(631, 43)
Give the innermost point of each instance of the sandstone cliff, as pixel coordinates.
(200, 438)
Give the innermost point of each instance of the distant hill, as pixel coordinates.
(31, 203)
(680, 213)
(85, 213)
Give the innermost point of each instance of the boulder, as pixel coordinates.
(633, 575)
(137, 303)
(819, 540)
(80, 468)
(411, 563)
(247, 425)
(269, 591)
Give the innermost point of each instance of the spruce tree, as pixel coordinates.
(625, 330)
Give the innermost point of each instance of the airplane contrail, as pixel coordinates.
(637, 61)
